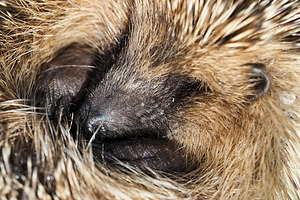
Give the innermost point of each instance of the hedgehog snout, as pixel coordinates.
(122, 114)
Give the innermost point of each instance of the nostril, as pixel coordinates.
(96, 123)
(102, 126)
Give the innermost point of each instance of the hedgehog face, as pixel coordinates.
(144, 96)
(130, 114)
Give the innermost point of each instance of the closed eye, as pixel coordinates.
(190, 88)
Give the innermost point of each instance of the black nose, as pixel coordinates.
(101, 125)
(94, 123)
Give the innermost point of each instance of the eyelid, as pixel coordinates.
(190, 88)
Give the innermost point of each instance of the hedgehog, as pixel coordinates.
(141, 99)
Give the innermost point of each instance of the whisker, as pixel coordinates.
(92, 138)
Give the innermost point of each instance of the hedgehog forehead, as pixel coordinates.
(146, 69)
(131, 80)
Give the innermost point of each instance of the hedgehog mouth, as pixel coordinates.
(144, 153)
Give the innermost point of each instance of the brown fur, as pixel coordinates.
(244, 148)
